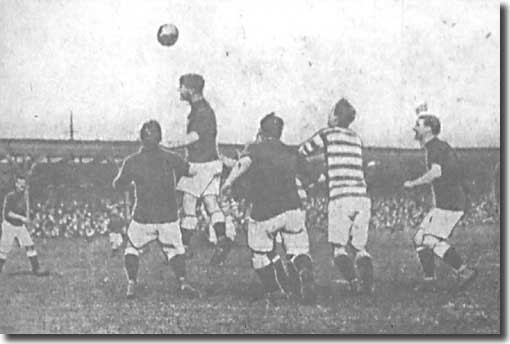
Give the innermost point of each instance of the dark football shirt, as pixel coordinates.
(14, 202)
(448, 189)
(272, 174)
(155, 173)
(202, 120)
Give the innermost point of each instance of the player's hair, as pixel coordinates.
(344, 113)
(271, 126)
(193, 81)
(432, 122)
(150, 133)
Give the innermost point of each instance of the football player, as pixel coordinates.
(276, 209)
(201, 153)
(154, 173)
(349, 206)
(15, 225)
(449, 199)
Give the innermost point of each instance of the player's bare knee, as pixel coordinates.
(217, 216)
(418, 238)
(339, 250)
(430, 241)
(130, 250)
(30, 251)
(440, 248)
(260, 260)
(189, 222)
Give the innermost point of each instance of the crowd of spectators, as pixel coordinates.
(88, 213)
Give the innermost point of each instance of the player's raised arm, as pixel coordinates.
(312, 145)
(242, 165)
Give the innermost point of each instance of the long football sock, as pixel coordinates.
(34, 262)
(293, 276)
(220, 229)
(346, 267)
(281, 274)
(426, 256)
(186, 236)
(131, 264)
(178, 264)
(2, 262)
(452, 258)
(267, 276)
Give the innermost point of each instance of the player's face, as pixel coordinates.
(420, 130)
(185, 93)
(20, 184)
(332, 120)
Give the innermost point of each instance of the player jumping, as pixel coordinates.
(203, 156)
(349, 205)
(14, 226)
(154, 173)
(276, 208)
(449, 200)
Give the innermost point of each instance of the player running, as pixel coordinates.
(349, 205)
(14, 226)
(449, 200)
(201, 153)
(154, 173)
(272, 168)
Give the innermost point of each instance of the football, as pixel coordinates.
(167, 35)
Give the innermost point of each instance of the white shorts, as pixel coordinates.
(9, 234)
(440, 222)
(348, 219)
(205, 182)
(291, 226)
(167, 234)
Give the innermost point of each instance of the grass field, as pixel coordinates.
(85, 293)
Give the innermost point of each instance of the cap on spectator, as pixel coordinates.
(271, 126)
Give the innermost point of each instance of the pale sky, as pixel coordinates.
(100, 59)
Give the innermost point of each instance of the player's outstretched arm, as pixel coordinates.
(238, 170)
(427, 178)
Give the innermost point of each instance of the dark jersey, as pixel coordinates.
(202, 121)
(273, 173)
(14, 202)
(448, 189)
(155, 173)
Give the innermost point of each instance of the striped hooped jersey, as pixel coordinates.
(344, 160)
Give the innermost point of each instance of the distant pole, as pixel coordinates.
(71, 127)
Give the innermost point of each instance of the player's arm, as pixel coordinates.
(124, 177)
(427, 178)
(312, 145)
(242, 165)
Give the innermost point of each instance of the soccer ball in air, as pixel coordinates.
(168, 35)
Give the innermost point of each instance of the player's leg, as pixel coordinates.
(26, 241)
(138, 235)
(423, 244)
(339, 226)
(224, 244)
(170, 240)
(261, 243)
(437, 232)
(189, 221)
(297, 246)
(359, 232)
(6, 241)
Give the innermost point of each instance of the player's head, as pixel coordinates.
(342, 115)
(150, 133)
(190, 85)
(271, 127)
(426, 126)
(20, 182)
